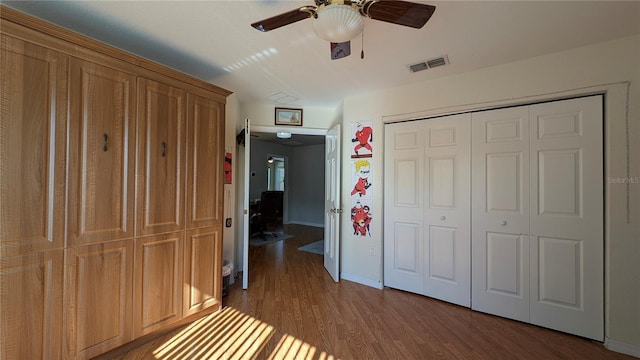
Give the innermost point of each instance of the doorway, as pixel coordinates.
(287, 164)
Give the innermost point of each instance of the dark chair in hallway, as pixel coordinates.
(269, 211)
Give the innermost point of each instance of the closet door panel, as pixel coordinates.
(161, 158)
(205, 157)
(447, 250)
(202, 270)
(404, 204)
(31, 305)
(98, 297)
(507, 270)
(567, 234)
(500, 221)
(158, 281)
(32, 138)
(101, 153)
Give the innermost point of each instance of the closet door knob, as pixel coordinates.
(503, 223)
(443, 217)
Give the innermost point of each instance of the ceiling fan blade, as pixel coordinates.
(399, 12)
(283, 19)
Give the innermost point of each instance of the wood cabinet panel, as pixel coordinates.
(205, 160)
(106, 159)
(158, 281)
(101, 153)
(98, 298)
(32, 144)
(31, 305)
(161, 147)
(203, 270)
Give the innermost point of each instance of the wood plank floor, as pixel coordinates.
(291, 291)
(312, 317)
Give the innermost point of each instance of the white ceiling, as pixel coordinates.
(212, 40)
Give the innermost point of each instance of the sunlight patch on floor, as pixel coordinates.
(228, 334)
(290, 348)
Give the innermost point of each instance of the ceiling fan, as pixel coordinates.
(339, 21)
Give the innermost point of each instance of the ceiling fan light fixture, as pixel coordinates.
(338, 22)
(283, 135)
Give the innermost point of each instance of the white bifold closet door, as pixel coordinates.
(537, 222)
(427, 205)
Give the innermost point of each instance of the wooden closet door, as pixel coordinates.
(101, 153)
(31, 306)
(161, 158)
(32, 144)
(158, 281)
(98, 298)
(202, 270)
(205, 157)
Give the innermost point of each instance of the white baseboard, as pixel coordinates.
(361, 280)
(306, 223)
(621, 347)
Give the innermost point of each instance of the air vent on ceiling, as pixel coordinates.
(429, 64)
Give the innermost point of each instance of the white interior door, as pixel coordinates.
(500, 213)
(538, 215)
(427, 206)
(447, 249)
(245, 205)
(403, 206)
(567, 234)
(332, 208)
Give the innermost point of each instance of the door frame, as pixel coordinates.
(247, 157)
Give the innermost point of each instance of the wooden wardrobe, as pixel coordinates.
(110, 194)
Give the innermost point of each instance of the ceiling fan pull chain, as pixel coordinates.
(362, 51)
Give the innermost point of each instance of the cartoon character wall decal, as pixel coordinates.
(363, 137)
(362, 192)
(363, 170)
(361, 219)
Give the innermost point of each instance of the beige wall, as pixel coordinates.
(313, 117)
(611, 68)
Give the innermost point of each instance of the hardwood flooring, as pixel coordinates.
(291, 291)
(309, 316)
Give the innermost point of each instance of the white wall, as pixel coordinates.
(313, 117)
(613, 68)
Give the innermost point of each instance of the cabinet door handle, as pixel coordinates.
(443, 218)
(163, 149)
(106, 140)
(503, 223)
